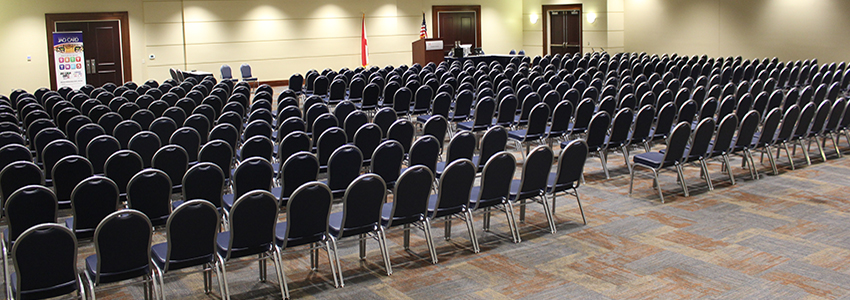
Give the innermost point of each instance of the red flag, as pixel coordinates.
(423, 30)
(364, 45)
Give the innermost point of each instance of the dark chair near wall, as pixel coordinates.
(494, 191)
(122, 166)
(92, 200)
(122, 243)
(149, 192)
(190, 234)
(568, 175)
(361, 216)
(307, 217)
(252, 230)
(45, 264)
(672, 157)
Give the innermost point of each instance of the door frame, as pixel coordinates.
(123, 21)
(547, 8)
(437, 9)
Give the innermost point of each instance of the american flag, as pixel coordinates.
(423, 31)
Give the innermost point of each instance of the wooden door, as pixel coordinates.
(102, 42)
(565, 32)
(457, 26)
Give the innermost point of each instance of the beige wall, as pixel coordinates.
(23, 33)
(787, 29)
(594, 35)
(279, 38)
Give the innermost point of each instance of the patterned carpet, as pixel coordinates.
(781, 237)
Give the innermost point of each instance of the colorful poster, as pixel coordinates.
(69, 59)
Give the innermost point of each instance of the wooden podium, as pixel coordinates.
(423, 54)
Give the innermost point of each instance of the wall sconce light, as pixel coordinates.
(591, 18)
(533, 18)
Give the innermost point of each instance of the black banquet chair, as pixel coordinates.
(533, 183)
(91, 201)
(149, 191)
(452, 198)
(495, 189)
(45, 264)
(569, 173)
(122, 242)
(672, 157)
(252, 231)
(361, 216)
(190, 235)
(307, 216)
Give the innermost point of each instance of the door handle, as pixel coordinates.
(92, 66)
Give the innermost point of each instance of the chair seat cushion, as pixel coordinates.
(46, 292)
(465, 125)
(280, 237)
(91, 269)
(650, 159)
(517, 134)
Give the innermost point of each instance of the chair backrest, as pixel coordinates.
(484, 111)
(507, 110)
(298, 169)
(331, 139)
(123, 242)
(91, 201)
(535, 172)
(425, 151)
(293, 142)
(218, 152)
(173, 160)
(252, 224)
(538, 119)
(583, 114)
(245, 69)
(620, 127)
(190, 233)
(494, 140)
(361, 205)
(343, 167)
(226, 73)
(17, 175)
(323, 122)
(146, 144)
(401, 100)
(821, 114)
(402, 131)
(598, 130)
(701, 139)
(768, 130)
(454, 187)
(121, 166)
(45, 260)
(836, 112)
(29, 206)
(747, 129)
(496, 179)
(436, 126)
(255, 173)
(666, 118)
(204, 181)
(387, 159)
(462, 145)
(805, 121)
(12, 153)
(570, 166)
(789, 120)
(442, 104)
(257, 146)
(307, 214)
(677, 144)
(149, 192)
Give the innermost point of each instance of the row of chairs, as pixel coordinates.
(778, 130)
(123, 238)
